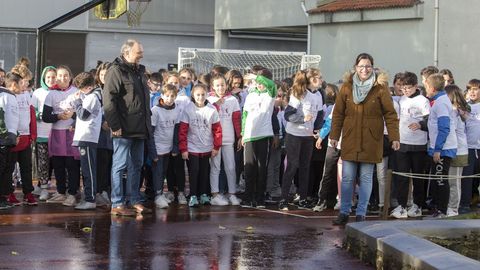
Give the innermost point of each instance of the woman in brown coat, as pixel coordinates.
(362, 107)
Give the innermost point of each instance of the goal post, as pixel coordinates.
(282, 64)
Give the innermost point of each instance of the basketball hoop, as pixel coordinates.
(136, 8)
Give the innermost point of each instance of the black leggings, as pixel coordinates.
(63, 165)
(199, 174)
(256, 159)
(441, 187)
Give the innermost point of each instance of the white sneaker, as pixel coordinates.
(36, 190)
(234, 200)
(452, 212)
(44, 195)
(414, 211)
(399, 212)
(161, 202)
(84, 205)
(218, 200)
(70, 200)
(181, 198)
(337, 205)
(57, 198)
(169, 196)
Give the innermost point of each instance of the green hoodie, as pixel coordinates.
(42, 80)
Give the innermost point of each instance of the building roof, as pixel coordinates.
(352, 5)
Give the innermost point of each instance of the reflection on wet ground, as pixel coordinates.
(56, 237)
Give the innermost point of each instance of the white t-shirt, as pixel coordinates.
(413, 110)
(61, 101)
(23, 101)
(473, 127)
(259, 108)
(462, 148)
(164, 122)
(89, 130)
(442, 107)
(200, 120)
(38, 100)
(225, 112)
(8, 103)
(310, 104)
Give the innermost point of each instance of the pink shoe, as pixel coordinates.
(13, 200)
(29, 199)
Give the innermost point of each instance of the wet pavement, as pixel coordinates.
(52, 236)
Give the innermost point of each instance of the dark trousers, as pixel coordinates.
(5, 177)
(441, 187)
(256, 161)
(468, 183)
(104, 169)
(43, 164)
(316, 168)
(199, 174)
(410, 162)
(299, 154)
(159, 171)
(24, 159)
(176, 174)
(329, 178)
(62, 166)
(88, 163)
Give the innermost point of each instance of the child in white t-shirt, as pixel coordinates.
(200, 137)
(229, 113)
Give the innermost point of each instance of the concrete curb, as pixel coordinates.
(400, 244)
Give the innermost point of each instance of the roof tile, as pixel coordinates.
(351, 5)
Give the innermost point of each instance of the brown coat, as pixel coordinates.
(361, 125)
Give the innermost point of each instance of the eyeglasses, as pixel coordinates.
(156, 84)
(368, 67)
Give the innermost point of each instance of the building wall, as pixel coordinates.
(403, 44)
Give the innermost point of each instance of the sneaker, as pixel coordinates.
(36, 191)
(100, 199)
(161, 202)
(373, 209)
(234, 200)
(122, 211)
(57, 198)
(320, 206)
(141, 209)
(437, 215)
(181, 198)
(337, 206)
(70, 200)
(399, 212)
(304, 204)
(44, 195)
(13, 200)
(193, 201)
(452, 212)
(218, 200)
(4, 204)
(204, 199)
(29, 199)
(341, 220)
(84, 205)
(283, 205)
(105, 196)
(169, 196)
(464, 210)
(296, 198)
(414, 211)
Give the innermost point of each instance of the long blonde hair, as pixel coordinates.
(301, 81)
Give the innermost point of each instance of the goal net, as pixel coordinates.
(282, 64)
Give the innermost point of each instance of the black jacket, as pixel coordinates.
(126, 99)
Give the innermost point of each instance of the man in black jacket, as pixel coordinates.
(125, 101)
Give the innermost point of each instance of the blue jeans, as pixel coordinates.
(127, 154)
(349, 175)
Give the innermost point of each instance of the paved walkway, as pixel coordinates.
(51, 236)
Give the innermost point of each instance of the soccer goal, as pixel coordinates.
(282, 64)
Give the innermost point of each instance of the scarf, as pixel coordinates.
(361, 89)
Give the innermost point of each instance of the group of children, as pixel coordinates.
(226, 127)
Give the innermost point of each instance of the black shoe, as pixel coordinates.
(341, 220)
(304, 204)
(373, 209)
(359, 218)
(246, 203)
(283, 205)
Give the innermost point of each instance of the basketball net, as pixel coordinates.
(136, 8)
